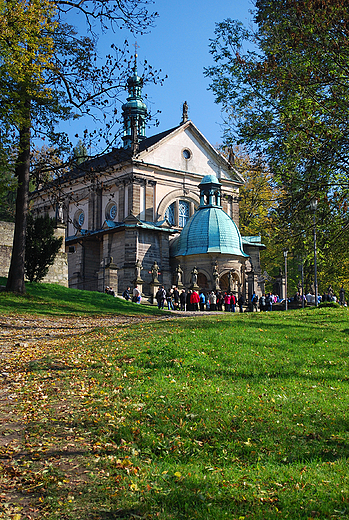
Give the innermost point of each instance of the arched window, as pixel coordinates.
(225, 283)
(183, 213)
(170, 214)
(202, 281)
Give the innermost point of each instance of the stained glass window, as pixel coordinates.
(183, 213)
(111, 211)
(170, 214)
(81, 219)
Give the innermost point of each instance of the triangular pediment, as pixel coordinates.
(131, 219)
(185, 148)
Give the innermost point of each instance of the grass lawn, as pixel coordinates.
(54, 300)
(215, 417)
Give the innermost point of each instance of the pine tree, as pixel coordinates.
(41, 247)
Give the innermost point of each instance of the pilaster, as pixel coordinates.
(149, 201)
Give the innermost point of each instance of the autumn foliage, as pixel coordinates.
(283, 84)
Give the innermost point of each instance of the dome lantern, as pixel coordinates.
(210, 191)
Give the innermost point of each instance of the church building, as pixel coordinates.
(160, 210)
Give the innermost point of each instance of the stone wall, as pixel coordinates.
(58, 272)
(6, 240)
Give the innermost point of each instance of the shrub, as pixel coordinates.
(41, 247)
(334, 305)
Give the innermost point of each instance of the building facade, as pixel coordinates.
(125, 211)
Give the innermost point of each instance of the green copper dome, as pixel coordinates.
(136, 105)
(210, 179)
(210, 229)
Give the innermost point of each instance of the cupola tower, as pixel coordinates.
(134, 111)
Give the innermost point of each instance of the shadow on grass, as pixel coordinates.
(266, 374)
(48, 363)
(255, 321)
(118, 514)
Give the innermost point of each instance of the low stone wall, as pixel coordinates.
(6, 240)
(58, 272)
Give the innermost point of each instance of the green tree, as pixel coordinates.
(284, 87)
(46, 164)
(258, 203)
(8, 188)
(8, 204)
(259, 194)
(80, 153)
(50, 73)
(8, 183)
(41, 246)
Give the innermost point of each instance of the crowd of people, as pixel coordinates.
(175, 299)
(227, 301)
(192, 300)
(327, 296)
(182, 300)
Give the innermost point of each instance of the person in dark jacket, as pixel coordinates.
(160, 297)
(219, 301)
(241, 302)
(189, 305)
(176, 298)
(126, 294)
(182, 299)
(169, 298)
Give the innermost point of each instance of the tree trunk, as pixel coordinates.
(15, 281)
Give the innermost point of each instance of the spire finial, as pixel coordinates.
(185, 113)
(136, 46)
(231, 156)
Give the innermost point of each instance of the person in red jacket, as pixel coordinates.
(227, 302)
(194, 300)
(232, 303)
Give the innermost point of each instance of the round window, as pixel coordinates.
(79, 219)
(186, 153)
(111, 211)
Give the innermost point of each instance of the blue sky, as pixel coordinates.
(179, 46)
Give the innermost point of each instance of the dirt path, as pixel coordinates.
(20, 331)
